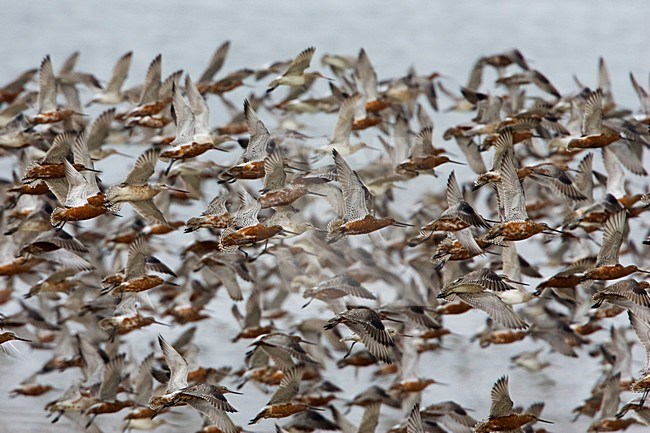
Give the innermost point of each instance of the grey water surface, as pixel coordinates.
(560, 38)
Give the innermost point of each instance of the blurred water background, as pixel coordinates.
(560, 38)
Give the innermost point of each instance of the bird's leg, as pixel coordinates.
(91, 420)
(58, 416)
(550, 231)
(350, 350)
(59, 226)
(644, 397)
(308, 302)
(169, 167)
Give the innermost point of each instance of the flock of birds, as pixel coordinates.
(298, 216)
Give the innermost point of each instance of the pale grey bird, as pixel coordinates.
(112, 93)
(136, 190)
(205, 398)
(484, 290)
(336, 288)
(367, 325)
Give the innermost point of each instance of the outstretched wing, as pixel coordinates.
(152, 82)
(148, 210)
(216, 62)
(178, 366)
(501, 401)
(47, 89)
(612, 240)
(120, 72)
(259, 135)
(301, 62)
(592, 123)
(355, 193)
(490, 303)
(144, 167)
